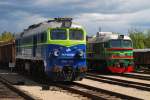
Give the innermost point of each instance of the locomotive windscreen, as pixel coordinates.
(121, 43)
(76, 35)
(58, 34)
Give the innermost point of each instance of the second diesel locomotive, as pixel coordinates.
(110, 52)
(55, 48)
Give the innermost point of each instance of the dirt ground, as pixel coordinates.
(35, 89)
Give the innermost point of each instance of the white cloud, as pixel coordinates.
(23, 20)
(28, 19)
(4, 3)
(108, 22)
(114, 22)
(111, 15)
(99, 6)
(54, 2)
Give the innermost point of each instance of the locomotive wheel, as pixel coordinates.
(22, 69)
(39, 74)
(33, 69)
(41, 69)
(17, 66)
(148, 66)
(27, 67)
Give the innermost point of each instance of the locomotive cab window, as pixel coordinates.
(26, 40)
(106, 45)
(76, 34)
(115, 43)
(58, 34)
(120, 43)
(127, 43)
(42, 37)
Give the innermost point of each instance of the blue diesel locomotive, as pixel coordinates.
(55, 48)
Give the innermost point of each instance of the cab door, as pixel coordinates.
(34, 45)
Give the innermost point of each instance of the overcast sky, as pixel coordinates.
(110, 15)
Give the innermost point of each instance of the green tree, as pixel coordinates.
(147, 39)
(6, 36)
(138, 39)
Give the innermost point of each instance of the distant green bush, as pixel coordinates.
(6, 36)
(140, 40)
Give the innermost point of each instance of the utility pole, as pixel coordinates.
(100, 29)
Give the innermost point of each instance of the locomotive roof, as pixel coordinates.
(43, 26)
(106, 36)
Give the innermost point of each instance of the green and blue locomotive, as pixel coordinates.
(55, 48)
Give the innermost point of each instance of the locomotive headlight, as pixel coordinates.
(131, 63)
(117, 64)
(81, 53)
(56, 53)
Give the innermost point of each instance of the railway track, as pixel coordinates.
(94, 93)
(90, 92)
(120, 82)
(135, 76)
(143, 72)
(10, 92)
